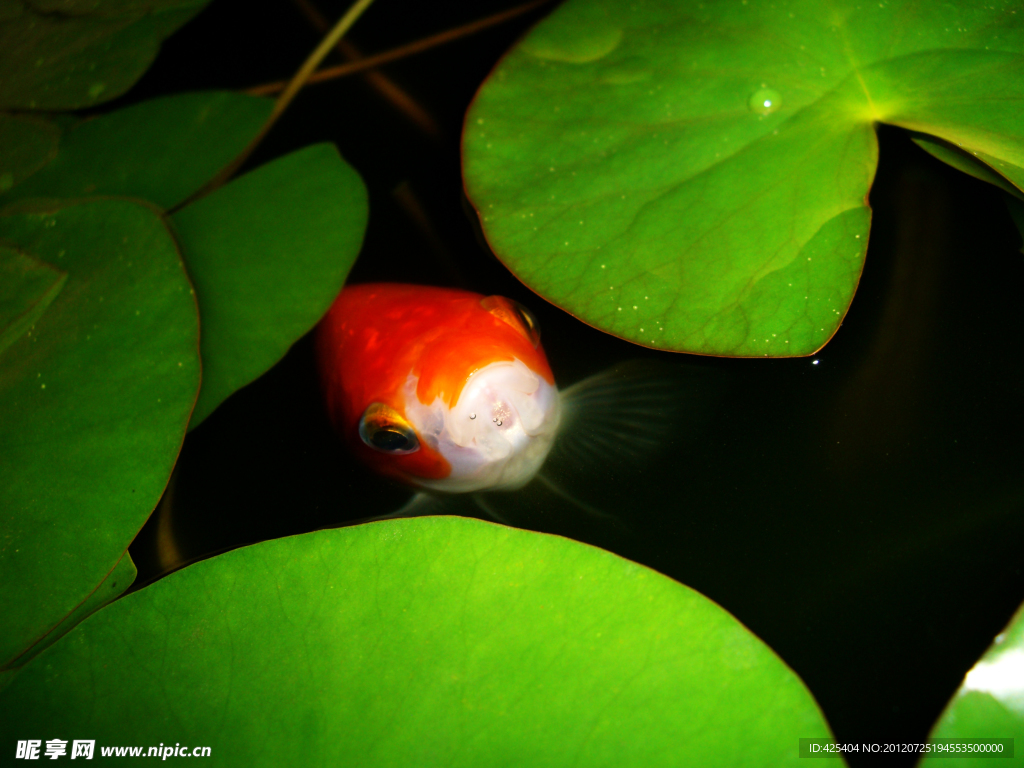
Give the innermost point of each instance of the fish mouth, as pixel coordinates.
(498, 433)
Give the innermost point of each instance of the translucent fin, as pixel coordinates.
(556, 489)
(634, 411)
(620, 424)
(418, 505)
(168, 549)
(425, 503)
(480, 500)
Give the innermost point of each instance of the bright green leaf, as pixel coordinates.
(268, 254)
(961, 95)
(161, 150)
(694, 176)
(27, 286)
(425, 641)
(69, 55)
(94, 402)
(26, 144)
(990, 703)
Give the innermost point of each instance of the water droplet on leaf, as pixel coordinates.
(765, 101)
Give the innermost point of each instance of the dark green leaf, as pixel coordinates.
(27, 286)
(94, 402)
(26, 145)
(102, 8)
(694, 176)
(161, 150)
(113, 586)
(990, 703)
(268, 253)
(69, 55)
(962, 161)
(426, 641)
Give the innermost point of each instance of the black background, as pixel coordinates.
(860, 514)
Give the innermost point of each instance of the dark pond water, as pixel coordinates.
(860, 511)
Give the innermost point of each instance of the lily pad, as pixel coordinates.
(423, 641)
(94, 401)
(268, 253)
(27, 286)
(69, 55)
(990, 703)
(962, 161)
(27, 143)
(161, 150)
(110, 589)
(694, 177)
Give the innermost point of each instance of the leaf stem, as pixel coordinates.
(287, 95)
(387, 88)
(401, 52)
(311, 63)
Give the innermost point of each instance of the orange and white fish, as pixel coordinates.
(443, 389)
(450, 391)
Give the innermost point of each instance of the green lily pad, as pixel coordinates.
(990, 703)
(964, 162)
(26, 144)
(161, 150)
(110, 589)
(69, 55)
(694, 177)
(424, 641)
(27, 286)
(268, 253)
(94, 402)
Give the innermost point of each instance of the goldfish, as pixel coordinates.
(450, 392)
(439, 388)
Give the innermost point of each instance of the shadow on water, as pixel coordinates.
(860, 511)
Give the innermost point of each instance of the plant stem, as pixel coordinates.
(401, 52)
(311, 63)
(286, 97)
(387, 88)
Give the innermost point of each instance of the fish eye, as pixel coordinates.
(515, 314)
(527, 319)
(390, 440)
(383, 429)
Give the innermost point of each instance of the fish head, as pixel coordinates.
(446, 390)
